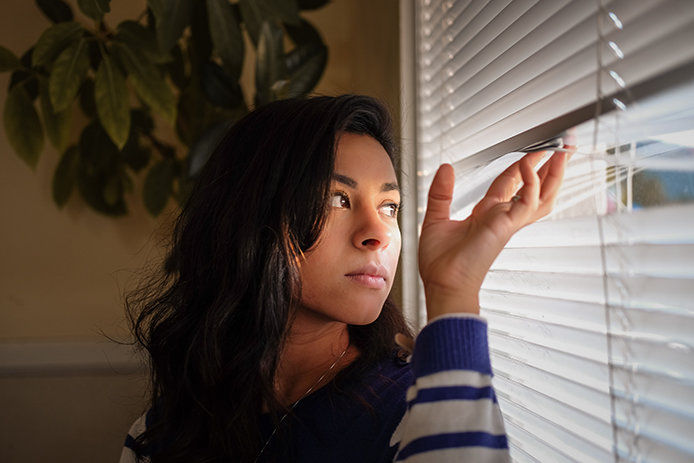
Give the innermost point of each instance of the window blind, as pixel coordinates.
(490, 70)
(591, 319)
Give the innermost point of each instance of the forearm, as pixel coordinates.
(452, 412)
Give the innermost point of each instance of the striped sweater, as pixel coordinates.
(439, 407)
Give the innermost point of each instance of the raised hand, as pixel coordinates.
(454, 255)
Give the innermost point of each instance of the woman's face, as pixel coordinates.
(347, 275)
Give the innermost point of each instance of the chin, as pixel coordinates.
(367, 319)
(354, 309)
(365, 316)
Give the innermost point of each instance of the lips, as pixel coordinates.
(371, 275)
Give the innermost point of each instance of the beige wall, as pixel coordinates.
(62, 273)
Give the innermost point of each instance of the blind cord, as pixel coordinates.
(600, 222)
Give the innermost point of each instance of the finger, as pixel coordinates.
(553, 178)
(570, 150)
(440, 195)
(522, 210)
(567, 150)
(506, 184)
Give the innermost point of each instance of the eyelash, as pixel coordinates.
(395, 206)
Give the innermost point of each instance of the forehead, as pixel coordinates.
(364, 159)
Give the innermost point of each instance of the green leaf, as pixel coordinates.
(87, 103)
(92, 189)
(299, 55)
(136, 36)
(148, 82)
(219, 88)
(308, 71)
(53, 41)
(311, 4)
(204, 146)
(270, 65)
(99, 162)
(22, 126)
(286, 11)
(200, 40)
(254, 12)
(176, 68)
(304, 33)
(196, 114)
(57, 123)
(56, 10)
(172, 17)
(69, 71)
(8, 60)
(226, 36)
(111, 97)
(94, 53)
(158, 186)
(142, 120)
(95, 9)
(97, 151)
(26, 58)
(65, 176)
(252, 19)
(135, 155)
(28, 80)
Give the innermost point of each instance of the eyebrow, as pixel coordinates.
(350, 182)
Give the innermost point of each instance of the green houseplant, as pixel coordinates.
(180, 60)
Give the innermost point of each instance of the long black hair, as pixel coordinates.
(214, 320)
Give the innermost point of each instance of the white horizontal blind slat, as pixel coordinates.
(570, 76)
(565, 414)
(512, 114)
(530, 447)
(652, 449)
(454, 57)
(511, 47)
(448, 30)
(523, 307)
(591, 319)
(560, 439)
(591, 401)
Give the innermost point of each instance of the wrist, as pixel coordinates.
(441, 302)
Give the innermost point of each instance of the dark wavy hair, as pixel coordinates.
(215, 318)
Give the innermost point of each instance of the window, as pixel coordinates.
(591, 312)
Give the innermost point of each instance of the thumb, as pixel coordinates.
(440, 195)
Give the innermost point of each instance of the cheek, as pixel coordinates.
(318, 264)
(395, 247)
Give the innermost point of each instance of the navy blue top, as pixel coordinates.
(338, 426)
(452, 412)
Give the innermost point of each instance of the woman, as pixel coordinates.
(270, 333)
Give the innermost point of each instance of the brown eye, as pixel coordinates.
(339, 200)
(391, 209)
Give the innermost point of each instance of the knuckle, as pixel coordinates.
(440, 196)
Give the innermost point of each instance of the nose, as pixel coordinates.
(372, 232)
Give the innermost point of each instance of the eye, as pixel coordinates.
(339, 200)
(391, 209)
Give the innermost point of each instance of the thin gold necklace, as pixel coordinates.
(310, 389)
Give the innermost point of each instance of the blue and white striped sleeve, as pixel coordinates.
(128, 453)
(452, 413)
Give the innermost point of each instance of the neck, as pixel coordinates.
(312, 346)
